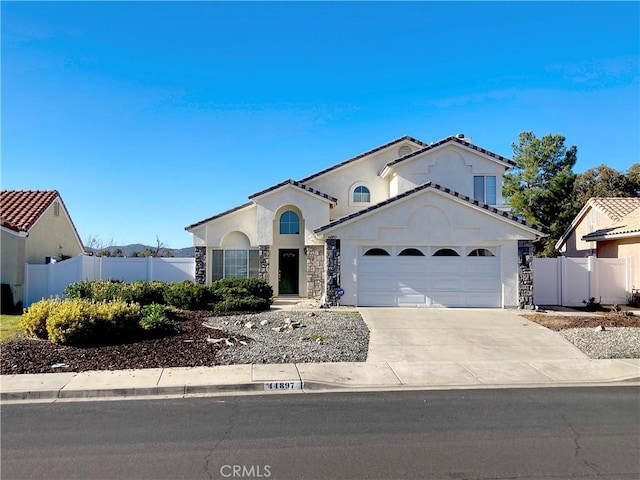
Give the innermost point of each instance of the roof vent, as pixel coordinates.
(404, 150)
(460, 136)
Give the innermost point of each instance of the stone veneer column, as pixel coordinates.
(333, 270)
(315, 270)
(525, 275)
(263, 268)
(201, 264)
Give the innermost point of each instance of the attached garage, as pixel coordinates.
(429, 276)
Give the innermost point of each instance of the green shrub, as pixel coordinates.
(82, 322)
(155, 318)
(242, 304)
(143, 293)
(241, 287)
(189, 296)
(34, 321)
(99, 291)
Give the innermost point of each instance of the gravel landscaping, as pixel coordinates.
(612, 342)
(295, 337)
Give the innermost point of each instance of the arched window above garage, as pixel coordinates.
(446, 252)
(481, 252)
(376, 252)
(411, 252)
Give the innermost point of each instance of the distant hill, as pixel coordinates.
(128, 250)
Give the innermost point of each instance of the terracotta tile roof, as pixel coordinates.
(295, 184)
(453, 193)
(626, 226)
(455, 139)
(369, 152)
(615, 207)
(21, 209)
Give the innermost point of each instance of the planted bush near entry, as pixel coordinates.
(190, 296)
(242, 287)
(155, 318)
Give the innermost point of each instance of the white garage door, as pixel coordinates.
(471, 279)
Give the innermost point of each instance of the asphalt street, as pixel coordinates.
(460, 434)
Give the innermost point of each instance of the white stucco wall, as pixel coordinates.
(431, 219)
(211, 234)
(340, 182)
(451, 166)
(314, 210)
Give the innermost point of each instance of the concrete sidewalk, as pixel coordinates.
(409, 348)
(303, 377)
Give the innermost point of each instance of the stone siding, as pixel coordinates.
(333, 270)
(263, 268)
(315, 271)
(525, 275)
(201, 264)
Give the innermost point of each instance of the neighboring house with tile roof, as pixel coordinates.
(36, 227)
(404, 224)
(621, 239)
(597, 214)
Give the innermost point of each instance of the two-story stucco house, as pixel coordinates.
(36, 227)
(405, 224)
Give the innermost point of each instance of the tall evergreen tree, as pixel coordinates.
(540, 186)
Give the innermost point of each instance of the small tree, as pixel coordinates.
(539, 187)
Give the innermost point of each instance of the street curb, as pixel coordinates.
(312, 387)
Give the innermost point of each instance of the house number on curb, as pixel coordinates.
(283, 385)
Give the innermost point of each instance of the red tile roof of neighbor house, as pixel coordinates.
(21, 209)
(615, 207)
(629, 225)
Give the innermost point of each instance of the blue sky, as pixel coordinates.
(151, 116)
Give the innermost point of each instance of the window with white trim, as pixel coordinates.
(485, 189)
(234, 264)
(361, 194)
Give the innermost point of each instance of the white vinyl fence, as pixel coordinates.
(568, 281)
(43, 281)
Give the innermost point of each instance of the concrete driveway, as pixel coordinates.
(460, 335)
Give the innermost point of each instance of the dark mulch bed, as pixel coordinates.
(186, 348)
(563, 322)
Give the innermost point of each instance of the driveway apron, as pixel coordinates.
(460, 335)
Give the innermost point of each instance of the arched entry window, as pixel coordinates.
(289, 223)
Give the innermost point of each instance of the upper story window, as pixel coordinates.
(484, 189)
(289, 223)
(361, 194)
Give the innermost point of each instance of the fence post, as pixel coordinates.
(594, 287)
(563, 278)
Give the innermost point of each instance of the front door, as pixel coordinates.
(289, 266)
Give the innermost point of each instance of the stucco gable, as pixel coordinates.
(627, 226)
(453, 140)
(397, 141)
(293, 184)
(456, 196)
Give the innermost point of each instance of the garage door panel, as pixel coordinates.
(429, 281)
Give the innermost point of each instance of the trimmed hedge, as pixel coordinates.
(221, 295)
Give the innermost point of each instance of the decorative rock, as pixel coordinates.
(287, 321)
(279, 329)
(249, 325)
(59, 365)
(599, 328)
(311, 314)
(264, 323)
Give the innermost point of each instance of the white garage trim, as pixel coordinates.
(428, 280)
